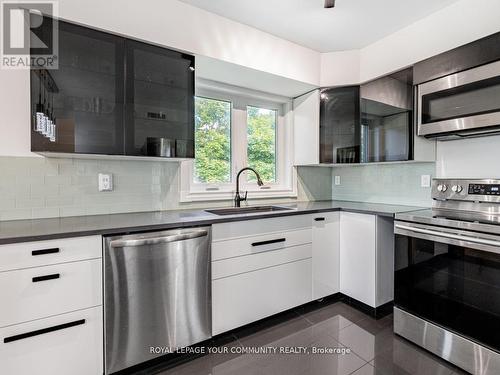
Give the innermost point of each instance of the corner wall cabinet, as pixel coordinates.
(124, 98)
(371, 122)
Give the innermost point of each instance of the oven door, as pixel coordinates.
(465, 103)
(451, 278)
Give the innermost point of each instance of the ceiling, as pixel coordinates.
(352, 24)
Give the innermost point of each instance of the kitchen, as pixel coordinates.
(207, 189)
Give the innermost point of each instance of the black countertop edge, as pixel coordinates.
(205, 219)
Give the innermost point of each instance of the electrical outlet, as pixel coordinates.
(105, 182)
(425, 181)
(337, 180)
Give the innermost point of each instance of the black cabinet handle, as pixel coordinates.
(42, 331)
(37, 279)
(319, 219)
(268, 242)
(45, 251)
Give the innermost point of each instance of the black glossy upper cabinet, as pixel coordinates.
(471, 55)
(339, 125)
(160, 101)
(84, 97)
(114, 96)
(368, 123)
(386, 118)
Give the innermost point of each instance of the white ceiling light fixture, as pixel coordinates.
(329, 3)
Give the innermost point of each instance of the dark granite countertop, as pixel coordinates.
(44, 229)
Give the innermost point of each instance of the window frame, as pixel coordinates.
(285, 184)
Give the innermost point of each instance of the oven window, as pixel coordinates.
(452, 286)
(476, 98)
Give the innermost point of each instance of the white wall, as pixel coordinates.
(15, 110)
(459, 23)
(340, 68)
(469, 158)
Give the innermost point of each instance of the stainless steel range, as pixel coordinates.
(447, 278)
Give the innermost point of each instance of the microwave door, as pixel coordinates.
(460, 102)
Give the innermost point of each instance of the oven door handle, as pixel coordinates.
(459, 237)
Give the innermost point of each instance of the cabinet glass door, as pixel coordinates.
(160, 102)
(386, 118)
(84, 97)
(339, 125)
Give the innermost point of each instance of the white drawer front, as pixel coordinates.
(75, 350)
(259, 243)
(245, 298)
(233, 266)
(245, 228)
(34, 293)
(41, 253)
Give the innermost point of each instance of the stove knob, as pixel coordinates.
(456, 188)
(442, 188)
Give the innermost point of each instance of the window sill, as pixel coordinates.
(204, 196)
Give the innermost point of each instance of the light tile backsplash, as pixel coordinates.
(397, 183)
(314, 183)
(36, 187)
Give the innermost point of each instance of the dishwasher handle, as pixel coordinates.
(158, 240)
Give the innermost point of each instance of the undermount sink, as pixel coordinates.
(246, 210)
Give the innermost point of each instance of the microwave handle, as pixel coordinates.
(459, 237)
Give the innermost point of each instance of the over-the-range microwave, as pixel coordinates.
(465, 104)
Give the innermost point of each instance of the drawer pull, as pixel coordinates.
(37, 279)
(43, 330)
(319, 219)
(45, 251)
(268, 242)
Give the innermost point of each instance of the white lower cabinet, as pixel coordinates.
(51, 320)
(37, 292)
(325, 254)
(65, 344)
(245, 298)
(259, 268)
(366, 258)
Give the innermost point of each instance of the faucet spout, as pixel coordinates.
(238, 198)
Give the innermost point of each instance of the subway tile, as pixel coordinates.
(29, 202)
(57, 180)
(16, 214)
(59, 201)
(38, 213)
(72, 211)
(7, 203)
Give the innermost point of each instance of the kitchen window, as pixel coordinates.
(236, 128)
(212, 141)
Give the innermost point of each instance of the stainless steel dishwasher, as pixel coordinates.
(156, 294)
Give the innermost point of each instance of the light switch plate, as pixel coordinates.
(105, 182)
(337, 180)
(425, 180)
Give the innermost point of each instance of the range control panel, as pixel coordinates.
(461, 189)
(484, 189)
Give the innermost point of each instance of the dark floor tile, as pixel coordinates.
(362, 342)
(375, 326)
(333, 310)
(273, 333)
(367, 369)
(406, 358)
